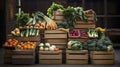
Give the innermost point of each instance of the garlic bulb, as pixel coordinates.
(46, 49)
(41, 48)
(41, 44)
(47, 44)
(51, 48)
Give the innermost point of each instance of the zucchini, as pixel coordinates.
(37, 33)
(27, 32)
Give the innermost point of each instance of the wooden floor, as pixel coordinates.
(117, 62)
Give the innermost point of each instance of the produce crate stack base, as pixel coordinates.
(50, 57)
(76, 57)
(23, 57)
(102, 57)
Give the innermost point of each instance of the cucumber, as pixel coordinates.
(33, 32)
(27, 32)
(37, 33)
(23, 33)
(30, 32)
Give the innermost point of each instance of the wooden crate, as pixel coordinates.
(84, 25)
(8, 56)
(30, 38)
(102, 57)
(76, 57)
(23, 56)
(55, 37)
(50, 57)
(58, 15)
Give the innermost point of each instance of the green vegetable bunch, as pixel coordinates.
(37, 16)
(99, 45)
(79, 14)
(53, 8)
(75, 45)
(22, 18)
(66, 24)
(69, 13)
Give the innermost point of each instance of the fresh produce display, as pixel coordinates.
(16, 32)
(30, 25)
(54, 7)
(74, 45)
(29, 32)
(92, 33)
(11, 43)
(26, 45)
(83, 34)
(74, 33)
(48, 47)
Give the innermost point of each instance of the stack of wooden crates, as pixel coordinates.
(19, 56)
(57, 38)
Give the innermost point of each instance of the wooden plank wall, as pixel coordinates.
(10, 15)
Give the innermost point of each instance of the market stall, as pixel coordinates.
(62, 36)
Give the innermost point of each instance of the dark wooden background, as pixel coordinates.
(2, 22)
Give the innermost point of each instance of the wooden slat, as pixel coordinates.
(78, 39)
(22, 57)
(56, 41)
(102, 57)
(23, 52)
(59, 56)
(84, 25)
(76, 61)
(53, 52)
(54, 32)
(77, 51)
(102, 52)
(102, 61)
(77, 57)
(62, 35)
(50, 61)
(30, 38)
